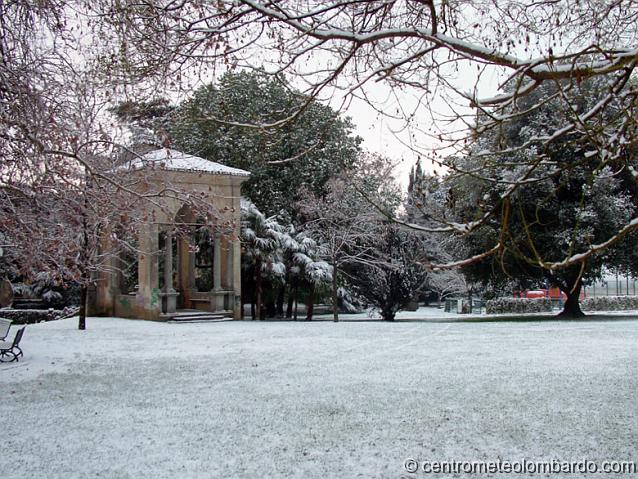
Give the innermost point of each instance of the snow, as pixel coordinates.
(247, 399)
(168, 159)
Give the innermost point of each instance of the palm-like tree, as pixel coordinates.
(261, 240)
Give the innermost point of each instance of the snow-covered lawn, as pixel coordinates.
(133, 399)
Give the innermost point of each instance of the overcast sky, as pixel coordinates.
(387, 136)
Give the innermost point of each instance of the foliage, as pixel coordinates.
(215, 124)
(303, 262)
(425, 205)
(33, 316)
(610, 303)
(261, 238)
(49, 289)
(518, 305)
(395, 276)
(567, 203)
(275, 255)
(428, 51)
(65, 61)
(346, 219)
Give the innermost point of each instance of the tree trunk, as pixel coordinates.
(270, 305)
(388, 314)
(84, 290)
(310, 303)
(335, 299)
(84, 256)
(258, 287)
(572, 305)
(280, 302)
(291, 300)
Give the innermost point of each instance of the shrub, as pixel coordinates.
(518, 305)
(610, 303)
(32, 316)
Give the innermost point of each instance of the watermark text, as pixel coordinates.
(523, 466)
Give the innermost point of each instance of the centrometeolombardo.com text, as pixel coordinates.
(523, 466)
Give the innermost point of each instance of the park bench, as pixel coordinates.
(5, 324)
(10, 350)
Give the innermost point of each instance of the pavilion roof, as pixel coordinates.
(174, 160)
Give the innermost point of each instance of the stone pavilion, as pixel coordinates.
(173, 276)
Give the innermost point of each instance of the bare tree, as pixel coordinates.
(432, 52)
(447, 282)
(63, 195)
(342, 221)
(423, 50)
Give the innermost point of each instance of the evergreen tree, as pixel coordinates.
(394, 276)
(568, 202)
(304, 151)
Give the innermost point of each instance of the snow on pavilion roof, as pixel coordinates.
(173, 160)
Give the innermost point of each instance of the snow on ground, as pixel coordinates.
(433, 313)
(252, 399)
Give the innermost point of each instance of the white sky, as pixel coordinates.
(383, 135)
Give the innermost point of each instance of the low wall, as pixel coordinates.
(132, 306)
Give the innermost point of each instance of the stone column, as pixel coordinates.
(104, 297)
(147, 303)
(192, 259)
(115, 278)
(235, 245)
(179, 263)
(168, 263)
(229, 266)
(217, 264)
(236, 285)
(185, 268)
(217, 298)
(169, 296)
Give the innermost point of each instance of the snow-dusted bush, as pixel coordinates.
(54, 294)
(610, 303)
(32, 316)
(51, 296)
(393, 276)
(29, 316)
(349, 302)
(23, 290)
(518, 305)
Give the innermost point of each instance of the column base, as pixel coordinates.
(218, 300)
(169, 302)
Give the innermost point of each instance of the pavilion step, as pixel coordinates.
(198, 316)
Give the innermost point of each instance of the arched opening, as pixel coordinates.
(128, 267)
(197, 274)
(204, 244)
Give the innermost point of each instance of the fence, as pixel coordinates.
(612, 286)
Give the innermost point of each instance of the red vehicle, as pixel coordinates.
(552, 293)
